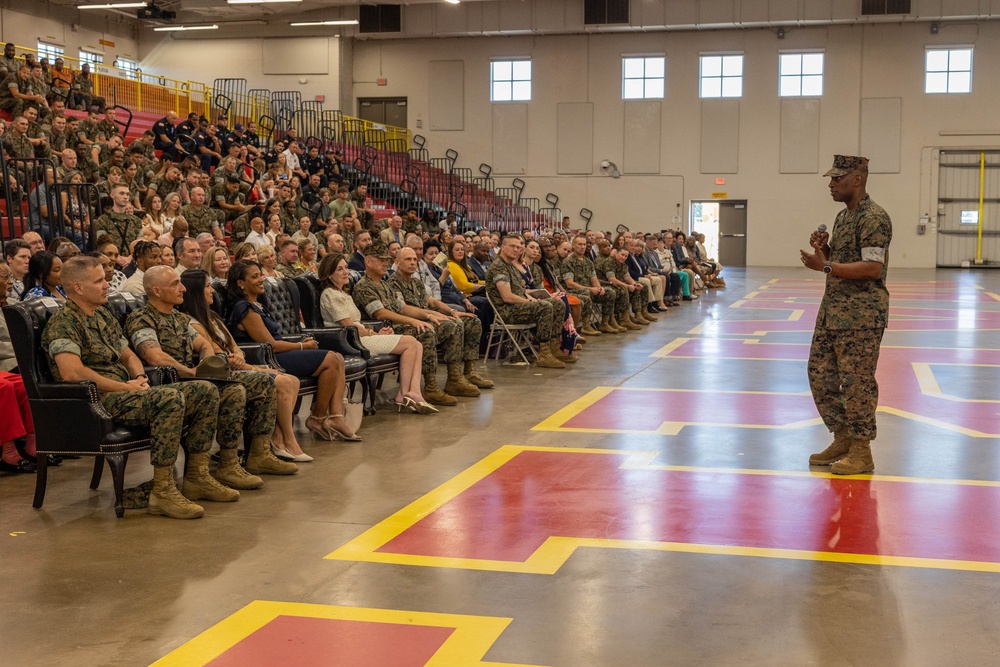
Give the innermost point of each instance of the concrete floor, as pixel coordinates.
(84, 588)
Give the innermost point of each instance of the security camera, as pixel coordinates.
(605, 164)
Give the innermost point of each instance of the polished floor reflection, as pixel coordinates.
(649, 505)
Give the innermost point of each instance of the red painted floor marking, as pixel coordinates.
(647, 410)
(510, 513)
(898, 383)
(296, 641)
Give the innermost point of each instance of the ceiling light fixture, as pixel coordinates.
(337, 22)
(114, 5)
(177, 28)
(258, 2)
(452, 2)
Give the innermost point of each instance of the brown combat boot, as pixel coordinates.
(649, 316)
(559, 354)
(837, 450)
(606, 326)
(434, 395)
(166, 500)
(199, 485)
(474, 377)
(545, 358)
(262, 461)
(615, 324)
(457, 385)
(588, 330)
(858, 460)
(630, 324)
(232, 474)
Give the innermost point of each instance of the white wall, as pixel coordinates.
(208, 59)
(27, 22)
(861, 62)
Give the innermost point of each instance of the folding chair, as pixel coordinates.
(516, 335)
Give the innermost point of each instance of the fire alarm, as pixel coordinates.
(381, 82)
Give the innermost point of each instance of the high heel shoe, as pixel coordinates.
(425, 408)
(320, 432)
(282, 454)
(407, 404)
(337, 432)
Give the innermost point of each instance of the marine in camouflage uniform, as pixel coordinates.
(174, 414)
(107, 128)
(371, 296)
(169, 410)
(250, 399)
(201, 220)
(547, 315)
(119, 228)
(581, 270)
(458, 338)
(148, 151)
(163, 187)
(849, 326)
(7, 100)
(604, 269)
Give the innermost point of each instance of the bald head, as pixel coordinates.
(157, 277)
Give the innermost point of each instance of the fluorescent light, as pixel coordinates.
(338, 22)
(114, 5)
(258, 2)
(174, 28)
(452, 2)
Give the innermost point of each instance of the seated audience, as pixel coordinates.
(44, 277)
(338, 308)
(249, 320)
(198, 298)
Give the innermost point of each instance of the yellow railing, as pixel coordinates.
(158, 94)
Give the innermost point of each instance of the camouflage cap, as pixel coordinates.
(846, 164)
(378, 250)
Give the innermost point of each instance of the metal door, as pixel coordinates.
(733, 232)
(383, 110)
(958, 207)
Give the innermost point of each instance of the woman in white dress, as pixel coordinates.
(338, 308)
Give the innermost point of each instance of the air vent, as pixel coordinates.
(597, 12)
(884, 7)
(379, 18)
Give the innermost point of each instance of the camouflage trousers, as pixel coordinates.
(547, 315)
(186, 410)
(842, 378)
(254, 400)
(459, 341)
(639, 299)
(601, 304)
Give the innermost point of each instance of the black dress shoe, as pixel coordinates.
(23, 465)
(50, 459)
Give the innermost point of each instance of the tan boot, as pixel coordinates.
(650, 316)
(166, 500)
(858, 460)
(199, 485)
(559, 354)
(580, 339)
(434, 395)
(631, 324)
(474, 377)
(262, 461)
(457, 385)
(614, 323)
(588, 330)
(606, 326)
(545, 358)
(232, 474)
(837, 450)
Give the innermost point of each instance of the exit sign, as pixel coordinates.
(720, 181)
(382, 82)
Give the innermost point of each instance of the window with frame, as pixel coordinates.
(510, 81)
(130, 67)
(92, 58)
(643, 77)
(948, 71)
(50, 51)
(800, 75)
(721, 76)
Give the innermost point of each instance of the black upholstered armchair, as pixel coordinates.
(69, 417)
(378, 365)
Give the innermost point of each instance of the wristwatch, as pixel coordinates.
(828, 268)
